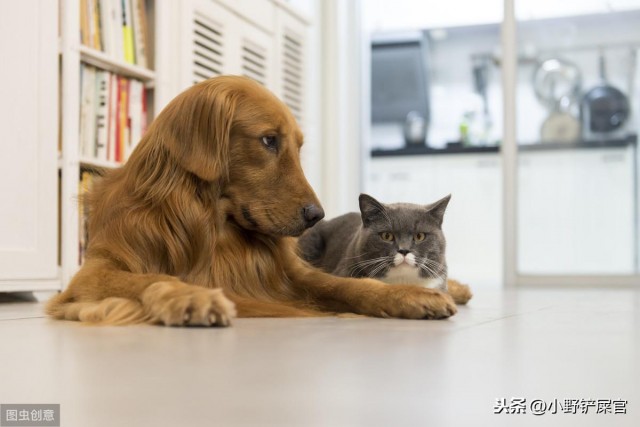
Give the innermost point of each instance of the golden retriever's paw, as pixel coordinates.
(180, 304)
(413, 302)
(460, 293)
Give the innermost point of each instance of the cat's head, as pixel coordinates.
(405, 238)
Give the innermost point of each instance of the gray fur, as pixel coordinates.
(351, 244)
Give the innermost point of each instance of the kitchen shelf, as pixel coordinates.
(424, 150)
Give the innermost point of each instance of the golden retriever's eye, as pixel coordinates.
(386, 236)
(271, 142)
(419, 237)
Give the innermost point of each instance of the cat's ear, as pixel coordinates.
(436, 210)
(371, 210)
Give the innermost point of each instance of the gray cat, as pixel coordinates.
(400, 243)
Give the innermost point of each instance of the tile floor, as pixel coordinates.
(531, 344)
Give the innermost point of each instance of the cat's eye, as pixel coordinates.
(419, 237)
(386, 236)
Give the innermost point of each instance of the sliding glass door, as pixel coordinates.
(571, 190)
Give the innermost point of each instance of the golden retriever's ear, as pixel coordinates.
(195, 128)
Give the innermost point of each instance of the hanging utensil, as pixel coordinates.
(604, 107)
(557, 83)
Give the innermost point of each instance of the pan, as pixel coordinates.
(605, 108)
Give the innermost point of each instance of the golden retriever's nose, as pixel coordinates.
(311, 215)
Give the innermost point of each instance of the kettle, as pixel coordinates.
(415, 129)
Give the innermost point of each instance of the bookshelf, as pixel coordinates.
(98, 47)
(40, 222)
(261, 39)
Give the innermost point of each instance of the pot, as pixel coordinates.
(604, 107)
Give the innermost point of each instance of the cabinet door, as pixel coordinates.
(290, 47)
(204, 47)
(28, 154)
(215, 41)
(576, 211)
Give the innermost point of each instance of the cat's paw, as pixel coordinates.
(413, 302)
(180, 304)
(460, 293)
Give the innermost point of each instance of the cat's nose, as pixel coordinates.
(311, 215)
(403, 251)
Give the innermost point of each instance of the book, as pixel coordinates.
(87, 110)
(136, 91)
(140, 32)
(102, 111)
(116, 27)
(106, 27)
(113, 117)
(123, 119)
(85, 186)
(84, 22)
(113, 114)
(96, 42)
(127, 32)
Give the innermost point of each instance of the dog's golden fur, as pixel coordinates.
(197, 226)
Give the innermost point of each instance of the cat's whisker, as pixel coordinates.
(357, 271)
(430, 262)
(432, 272)
(371, 261)
(379, 268)
(359, 267)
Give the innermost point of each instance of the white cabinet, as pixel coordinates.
(576, 208)
(216, 41)
(473, 221)
(576, 212)
(28, 155)
(261, 39)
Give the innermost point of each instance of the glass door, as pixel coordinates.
(572, 158)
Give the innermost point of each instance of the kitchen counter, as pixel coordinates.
(456, 148)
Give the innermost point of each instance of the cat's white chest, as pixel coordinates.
(405, 274)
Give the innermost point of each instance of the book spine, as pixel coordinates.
(84, 22)
(88, 111)
(85, 186)
(127, 32)
(95, 21)
(135, 112)
(105, 26)
(116, 29)
(145, 120)
(113, 117)
(102, 111)
(123, 118)
(140, 31)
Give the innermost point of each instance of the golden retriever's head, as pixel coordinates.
(234, 131)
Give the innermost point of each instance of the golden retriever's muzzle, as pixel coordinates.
(311, 215)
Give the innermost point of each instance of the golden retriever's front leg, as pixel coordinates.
(176, 303)
(370, 297)
(101, 294)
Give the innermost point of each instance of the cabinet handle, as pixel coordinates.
(487, 163)
(613, 158)
(399, 176)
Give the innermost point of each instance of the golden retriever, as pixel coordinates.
(198, 226)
